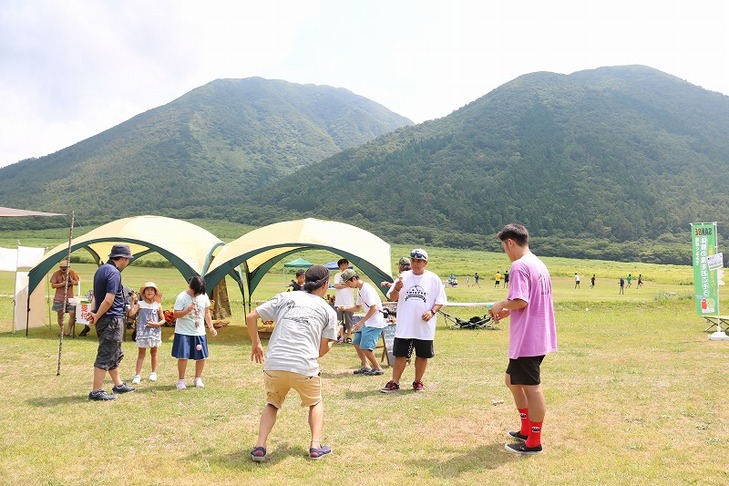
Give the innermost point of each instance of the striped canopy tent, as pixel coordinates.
(260, 249)
(188, 247)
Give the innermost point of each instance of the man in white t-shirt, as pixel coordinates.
(419, 294)
(343, 297)
(367, 330)
(305, 329)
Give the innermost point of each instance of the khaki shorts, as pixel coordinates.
(278, 383)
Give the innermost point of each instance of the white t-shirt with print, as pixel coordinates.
(368, 297)
(418, 295)
(192, 324)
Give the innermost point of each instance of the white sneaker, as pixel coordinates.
(181, 385)
(199, 383)
(153, 376)
(136, 380)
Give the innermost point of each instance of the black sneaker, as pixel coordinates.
(123, 388)
(520, 448)
(85, 331)
(99, 395)
(517, 435)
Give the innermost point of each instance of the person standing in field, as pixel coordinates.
(532, 335)
(343, 297)
(621, 283)
(419, 294)
(64, 291)
(497, 280)
(149, 328)
(368, 330)
(592, 281)
(306, 328)
(577, 281)
(192, 313)
(108, 317)
(506, 279)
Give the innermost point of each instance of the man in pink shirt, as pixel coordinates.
(532, 335)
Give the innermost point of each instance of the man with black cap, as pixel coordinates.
(305, 329)
(108, 317)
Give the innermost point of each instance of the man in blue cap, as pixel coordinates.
(108, 317)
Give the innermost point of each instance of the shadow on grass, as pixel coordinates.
(241, 459)
(84, 397)
(452, 464)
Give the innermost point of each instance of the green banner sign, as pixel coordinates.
(706, 289)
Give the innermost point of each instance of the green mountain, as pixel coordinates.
(611, 163)
(200, 154)
(620, 154)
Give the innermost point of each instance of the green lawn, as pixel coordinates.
(635, 395)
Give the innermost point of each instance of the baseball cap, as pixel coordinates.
(348, 275)
(316, 273)
(419, 254)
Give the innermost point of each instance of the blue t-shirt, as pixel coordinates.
(107, 280)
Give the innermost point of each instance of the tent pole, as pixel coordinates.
(65, 294)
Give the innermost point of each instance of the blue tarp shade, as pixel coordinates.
(334, 266)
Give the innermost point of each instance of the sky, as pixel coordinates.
(70, 69)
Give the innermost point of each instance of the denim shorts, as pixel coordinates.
(367, 337)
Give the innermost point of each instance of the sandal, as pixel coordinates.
(322, 451)
(258, 454)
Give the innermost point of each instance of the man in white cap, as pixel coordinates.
(419, 294)
(108, 317)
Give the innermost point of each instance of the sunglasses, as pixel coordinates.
(418, 255)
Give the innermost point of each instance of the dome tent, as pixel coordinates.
(260, 249)
(188, 247)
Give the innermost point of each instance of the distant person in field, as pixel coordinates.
(640, 280)
(628, 281)
(592, 281)
(532, 335)
(468, 280)
(403, 265)
(306, 327)
(506, 279)
(64, 291)
(577, 281)
(497, 280)
(298, 282)
(343, 297)
(475, 279)
(621, 282)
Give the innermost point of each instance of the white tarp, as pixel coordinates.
(29, 257)
(38, 316)
(8, 259)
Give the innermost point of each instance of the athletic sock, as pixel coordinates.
(525, 424)
(535, 435)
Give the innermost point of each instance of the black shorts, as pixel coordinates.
(525, 371)
(403, 348)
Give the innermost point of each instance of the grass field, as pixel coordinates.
(635, 395)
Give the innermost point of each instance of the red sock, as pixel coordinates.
(525, 424)
(535, 435)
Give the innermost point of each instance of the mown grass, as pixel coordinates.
(635, 395)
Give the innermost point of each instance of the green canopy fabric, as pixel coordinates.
(298, 263)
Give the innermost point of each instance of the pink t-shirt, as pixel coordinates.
(532, 329)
